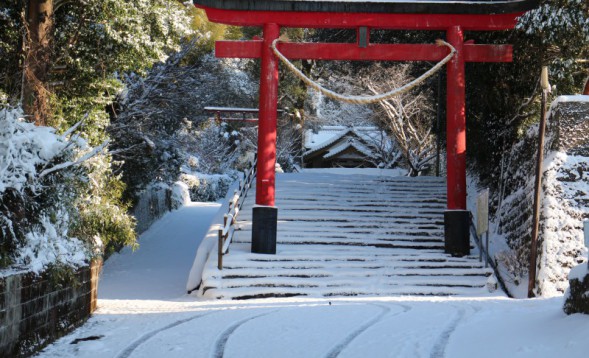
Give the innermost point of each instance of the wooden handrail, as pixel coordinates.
(229, 219)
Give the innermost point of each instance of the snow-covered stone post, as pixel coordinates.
(456, 218)
(265, 214)
(577, 296)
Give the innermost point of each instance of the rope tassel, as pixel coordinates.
(366, 99)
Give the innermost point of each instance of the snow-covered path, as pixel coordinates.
(143, 312)
(158, 269)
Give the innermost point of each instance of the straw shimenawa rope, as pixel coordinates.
(366, 99)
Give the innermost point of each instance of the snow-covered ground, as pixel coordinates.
(144, 312)
(158, 269)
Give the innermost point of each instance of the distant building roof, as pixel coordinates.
(329, 135)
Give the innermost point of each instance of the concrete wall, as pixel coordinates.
(36, 310)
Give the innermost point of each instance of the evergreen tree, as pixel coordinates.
(503, 99)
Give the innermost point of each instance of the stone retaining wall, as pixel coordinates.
(565, 198)
(36, 310)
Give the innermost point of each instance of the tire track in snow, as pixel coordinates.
(129, 350)
(222, 340)
(439, 349)
(335, 351)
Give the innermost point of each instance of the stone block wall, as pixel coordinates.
(36, 310)
(564, 204)
(153, 203)
(571, 114)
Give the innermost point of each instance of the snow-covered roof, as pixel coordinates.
(575, 98)
(330, 135)
(377, 6)
(325, 136)
(346, 145)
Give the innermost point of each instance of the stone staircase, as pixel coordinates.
(349, 235)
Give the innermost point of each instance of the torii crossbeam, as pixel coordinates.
(452, 16)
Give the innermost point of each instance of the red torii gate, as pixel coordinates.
(452, 16)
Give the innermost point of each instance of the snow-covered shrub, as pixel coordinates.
(206, 187)
(180, 194)
(577, 295)
(38, 187)
(58, 198)
(49, 243)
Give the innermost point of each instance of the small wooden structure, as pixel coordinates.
(454, 17)
(344, 148)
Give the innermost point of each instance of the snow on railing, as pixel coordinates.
(235, 203)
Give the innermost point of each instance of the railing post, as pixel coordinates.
(235, 204)
(480, 241)
(538, 185)
(586, 231)
(487, 248)
(220, 251)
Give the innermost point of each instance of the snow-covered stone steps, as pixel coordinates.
(378, 202)
(348, 285)
(348, 235)
(403, 233)
(367, 197)
(244, 293)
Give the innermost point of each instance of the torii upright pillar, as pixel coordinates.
(456, 217)
(265, 214)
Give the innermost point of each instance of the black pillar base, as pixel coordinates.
(264, 227)
(456, 232)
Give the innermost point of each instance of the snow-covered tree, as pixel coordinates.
(559, 32)
(85, 48)
(407, 117)
(160, 121)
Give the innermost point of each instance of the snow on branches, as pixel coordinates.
(560, 28)
(40, 178)
(27, 151)
(406, 116)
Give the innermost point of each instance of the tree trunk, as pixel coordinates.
(39, 18)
